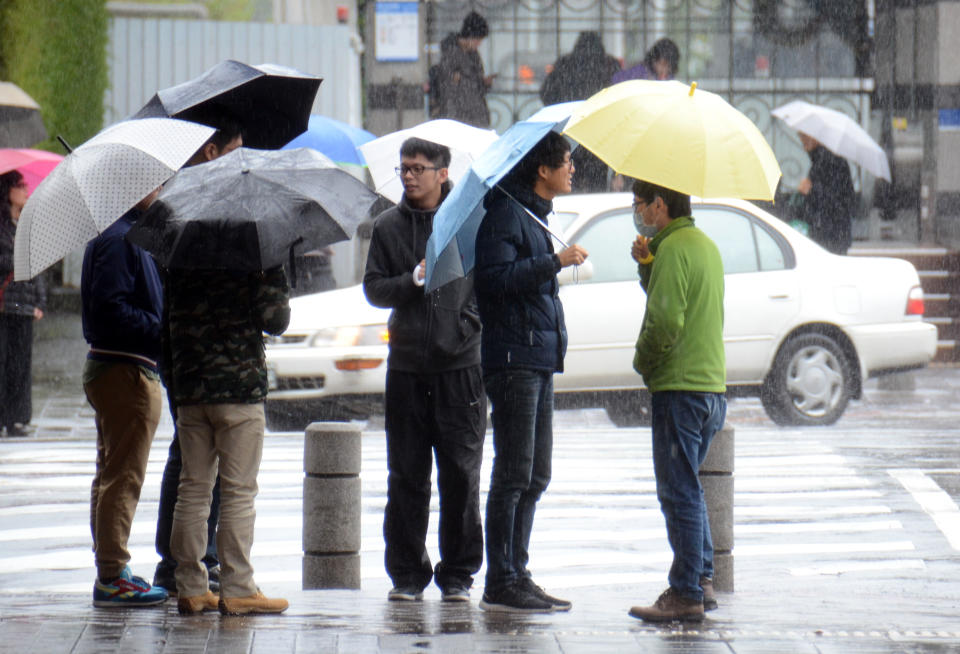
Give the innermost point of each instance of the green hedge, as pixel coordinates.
(56, 50)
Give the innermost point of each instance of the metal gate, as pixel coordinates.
(758, 54)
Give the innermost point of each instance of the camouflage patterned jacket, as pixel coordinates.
(216, 324)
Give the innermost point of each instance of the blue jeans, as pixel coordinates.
(684, 423)
(522, 413)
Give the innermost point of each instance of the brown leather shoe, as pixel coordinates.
(671, 605)
(198, 603)
(709, 597)
(256, 603)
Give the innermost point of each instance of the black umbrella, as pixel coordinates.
(249, 209)
(272, 102)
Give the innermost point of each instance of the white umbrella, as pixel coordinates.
(466, 143)
(838, 133)
(97, 183)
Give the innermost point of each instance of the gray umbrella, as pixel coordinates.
(271, 102)
(21, 124)
(249, 209)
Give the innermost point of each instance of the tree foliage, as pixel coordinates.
(56, 50)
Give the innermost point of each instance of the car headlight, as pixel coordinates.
(351, 336)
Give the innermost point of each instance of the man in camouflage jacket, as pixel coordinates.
(219, 384)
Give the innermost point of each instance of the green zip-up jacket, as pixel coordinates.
(680, 347)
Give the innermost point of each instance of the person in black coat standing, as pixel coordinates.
(577, 76)
(524, 341)
(435, 403)
(21, 303)
(829, 200)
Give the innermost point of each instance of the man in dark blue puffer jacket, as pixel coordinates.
(523, 342)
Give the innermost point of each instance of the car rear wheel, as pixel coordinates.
(810, 383)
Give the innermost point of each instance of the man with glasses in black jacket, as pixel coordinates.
(435, 403)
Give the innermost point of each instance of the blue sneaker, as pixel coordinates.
(127, 590)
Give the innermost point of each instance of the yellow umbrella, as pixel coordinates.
(679, 137)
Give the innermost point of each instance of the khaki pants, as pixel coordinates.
(128, 405)
(227, 438)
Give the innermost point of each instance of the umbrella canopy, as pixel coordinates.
(333, 138)
(248, 209)
(97, 183)
(679, 137)
(34, 165)
(21, 124)
(272, 102)
(466, 143)
(450, 248)
(838, 133)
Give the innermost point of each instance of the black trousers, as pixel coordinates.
(443, 416)
(16, 357)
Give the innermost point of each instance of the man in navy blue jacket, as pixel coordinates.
(122, 303)
(523, 343)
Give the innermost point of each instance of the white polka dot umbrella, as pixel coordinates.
(97, 183)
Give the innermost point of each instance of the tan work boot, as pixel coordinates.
(198, 603)
(709, 597)
(256, 603)
(671, 605)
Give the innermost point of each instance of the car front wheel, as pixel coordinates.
(810, 383)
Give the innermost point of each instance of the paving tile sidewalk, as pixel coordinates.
(770, 611)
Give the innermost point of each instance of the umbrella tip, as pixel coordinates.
(693, 87)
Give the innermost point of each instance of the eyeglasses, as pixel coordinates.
(20, 185)
(568, 164)
(639, 204)
(416, 169)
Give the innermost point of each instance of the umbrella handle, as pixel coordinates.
(293, 263)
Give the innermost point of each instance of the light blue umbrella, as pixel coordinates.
(334, 138)
(450, 249)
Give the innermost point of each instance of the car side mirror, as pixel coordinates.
(575, 274)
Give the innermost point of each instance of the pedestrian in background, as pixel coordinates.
(458, 85)
(680, 355)
(227, 138)
(122, 302)
(524, 340)
(435, 403)
(577, 76)
(828, 205)
(21, 303)
(661, 62)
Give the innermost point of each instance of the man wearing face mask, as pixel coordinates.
(680, 355)
(435, 404)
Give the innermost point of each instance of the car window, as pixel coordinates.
(744, 244)
(608, 240)
(733, 233)
(561, 220)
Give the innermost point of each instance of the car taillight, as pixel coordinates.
(915, 301)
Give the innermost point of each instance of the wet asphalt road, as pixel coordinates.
(847, 540)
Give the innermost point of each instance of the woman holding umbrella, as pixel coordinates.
(20, 304)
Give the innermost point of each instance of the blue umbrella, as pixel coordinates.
(334, 138)
(450, 249)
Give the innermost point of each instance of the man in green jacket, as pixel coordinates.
(680, 355)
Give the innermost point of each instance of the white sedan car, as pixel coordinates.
(803, 327)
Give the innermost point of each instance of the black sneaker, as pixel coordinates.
(213, 579)
(526, 583)
(514, 599)
(455, 593)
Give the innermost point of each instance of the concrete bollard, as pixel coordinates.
(716, 477)
(331, 506)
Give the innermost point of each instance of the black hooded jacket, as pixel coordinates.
(429, 332)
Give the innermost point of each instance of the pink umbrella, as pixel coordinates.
(34, 165)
